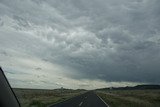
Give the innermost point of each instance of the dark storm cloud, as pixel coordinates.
(111, 40)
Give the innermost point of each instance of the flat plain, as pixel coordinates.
(44, 98)
(131, 98)
(114, 98)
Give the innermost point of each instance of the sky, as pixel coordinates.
(75, 44)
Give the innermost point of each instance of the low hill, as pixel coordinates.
(138, 87)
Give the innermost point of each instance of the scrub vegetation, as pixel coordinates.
(131, 98)
(44, 98)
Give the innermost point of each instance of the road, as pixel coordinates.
(88, 99)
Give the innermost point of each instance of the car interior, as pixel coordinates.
(7, 96)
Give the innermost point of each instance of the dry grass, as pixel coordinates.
(43, 98)
(131, 98)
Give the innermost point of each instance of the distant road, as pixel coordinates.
(89, 99)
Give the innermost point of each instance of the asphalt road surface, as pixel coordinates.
(89, 99)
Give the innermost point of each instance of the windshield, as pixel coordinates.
(53, 50)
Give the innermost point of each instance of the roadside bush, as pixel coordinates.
(36, 103)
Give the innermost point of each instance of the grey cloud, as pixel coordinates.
(118, 39)
(38, 68)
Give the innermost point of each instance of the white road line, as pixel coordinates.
(103, 101)
(80, 104)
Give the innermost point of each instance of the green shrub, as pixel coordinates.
(36, 103)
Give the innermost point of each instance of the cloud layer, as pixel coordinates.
(91, 42)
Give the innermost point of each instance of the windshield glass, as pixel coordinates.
(53, 50)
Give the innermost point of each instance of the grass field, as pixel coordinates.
(43, 98)
(131, 98)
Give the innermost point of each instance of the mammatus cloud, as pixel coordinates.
(77, 44)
